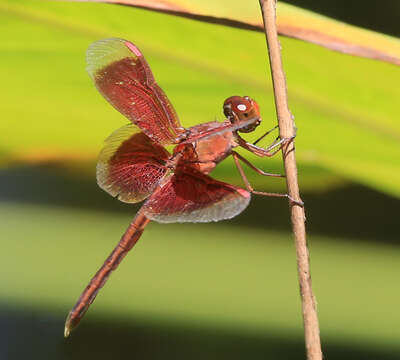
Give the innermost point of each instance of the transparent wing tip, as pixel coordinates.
(105, 51)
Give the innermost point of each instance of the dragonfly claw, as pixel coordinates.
(295, 202)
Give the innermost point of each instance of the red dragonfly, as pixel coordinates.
(134, 164)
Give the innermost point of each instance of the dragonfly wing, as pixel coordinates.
(123, 76)
(131, 165)
(191, 196)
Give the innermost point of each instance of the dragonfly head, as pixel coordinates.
(239, 109)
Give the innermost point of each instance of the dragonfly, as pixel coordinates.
(134, 164)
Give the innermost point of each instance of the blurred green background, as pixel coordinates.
(221, 290)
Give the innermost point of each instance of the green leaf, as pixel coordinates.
(345, 107)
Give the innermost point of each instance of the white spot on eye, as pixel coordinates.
(242, 107)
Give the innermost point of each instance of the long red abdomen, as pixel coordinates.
(128, 240)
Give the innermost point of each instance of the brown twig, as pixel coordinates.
(287, 130)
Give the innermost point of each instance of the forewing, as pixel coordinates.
(131, 165)
(191, 196)
(123, 76)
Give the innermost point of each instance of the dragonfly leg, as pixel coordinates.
(250, 165)
(278, 143)
(270, 151)
(263, 136)
(236, 158)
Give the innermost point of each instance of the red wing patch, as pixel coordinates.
(191, 196)
(131, 165)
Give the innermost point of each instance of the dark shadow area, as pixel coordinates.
(354, 211)
(46, 185)
(351, 212)
(27, 334)
(381, 16)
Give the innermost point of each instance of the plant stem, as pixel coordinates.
(287, 130)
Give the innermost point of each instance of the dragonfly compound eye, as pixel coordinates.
(228, 110)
